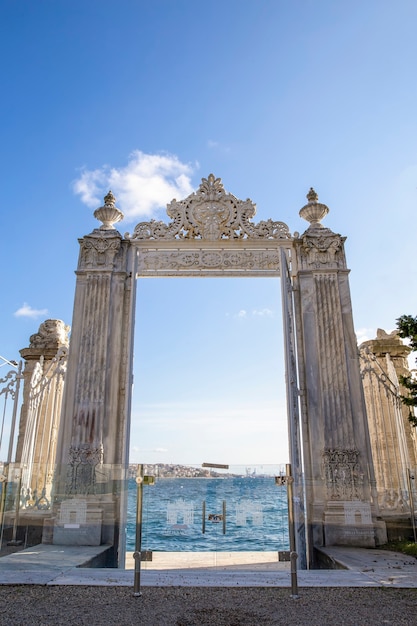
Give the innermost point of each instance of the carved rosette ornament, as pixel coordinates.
(211, 214)
(343, 475)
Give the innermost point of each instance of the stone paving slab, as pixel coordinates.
(202, 578)
(49, 557)
(63, 565)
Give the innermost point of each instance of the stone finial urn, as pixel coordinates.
(109, 214)
(314, 211)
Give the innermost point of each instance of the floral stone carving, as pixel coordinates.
(343, 475)
(82, 462)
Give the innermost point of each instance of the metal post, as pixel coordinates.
(13, 423)
(411, 477)
(4, 478)
(224, 517)
(293, 552)
(3, 481)
(14, 541)
(203, 516)
(137, 555)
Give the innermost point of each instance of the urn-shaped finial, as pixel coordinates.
(109, 214)
(314, 211)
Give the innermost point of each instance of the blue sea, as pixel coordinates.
(230, 513)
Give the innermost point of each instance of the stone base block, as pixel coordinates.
(349, 524)
(78, 524)
(77, 535)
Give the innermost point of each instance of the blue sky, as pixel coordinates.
(147, 98)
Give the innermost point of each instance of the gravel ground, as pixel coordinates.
(26, 605)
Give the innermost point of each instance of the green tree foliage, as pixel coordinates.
(407, 327)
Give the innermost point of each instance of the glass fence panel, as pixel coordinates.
(193, 514)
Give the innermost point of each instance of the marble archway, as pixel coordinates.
(211, 233)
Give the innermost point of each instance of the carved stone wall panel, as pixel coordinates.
(343, 474)
(82, 462)
(203, 261)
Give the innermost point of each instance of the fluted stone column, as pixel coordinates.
(93, 444)
(384, 360)
(339, 474)
(39, 417)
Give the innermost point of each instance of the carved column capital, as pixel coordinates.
(100, 250)
(320, 248)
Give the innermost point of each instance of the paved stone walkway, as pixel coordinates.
(62, 565)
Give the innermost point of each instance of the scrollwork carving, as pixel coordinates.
(211, 214)
(154, 262)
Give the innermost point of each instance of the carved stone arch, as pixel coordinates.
(211, 233)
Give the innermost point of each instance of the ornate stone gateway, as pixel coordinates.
(211, 234)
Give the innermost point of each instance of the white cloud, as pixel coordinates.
(147, 183)
(27, 311)
(243, 314)
(263, 313)
(217, 145)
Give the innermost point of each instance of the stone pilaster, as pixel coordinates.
(338, 463)
(93, 444)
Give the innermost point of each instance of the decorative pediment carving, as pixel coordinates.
(211, 214)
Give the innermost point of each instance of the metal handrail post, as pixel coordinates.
(291, 520)
(411, 477)
(14, 541)
(4, 483)
(19, 376)
(137, 555)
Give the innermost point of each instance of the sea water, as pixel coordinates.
(230, 513)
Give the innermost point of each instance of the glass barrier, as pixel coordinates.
(196, 516)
